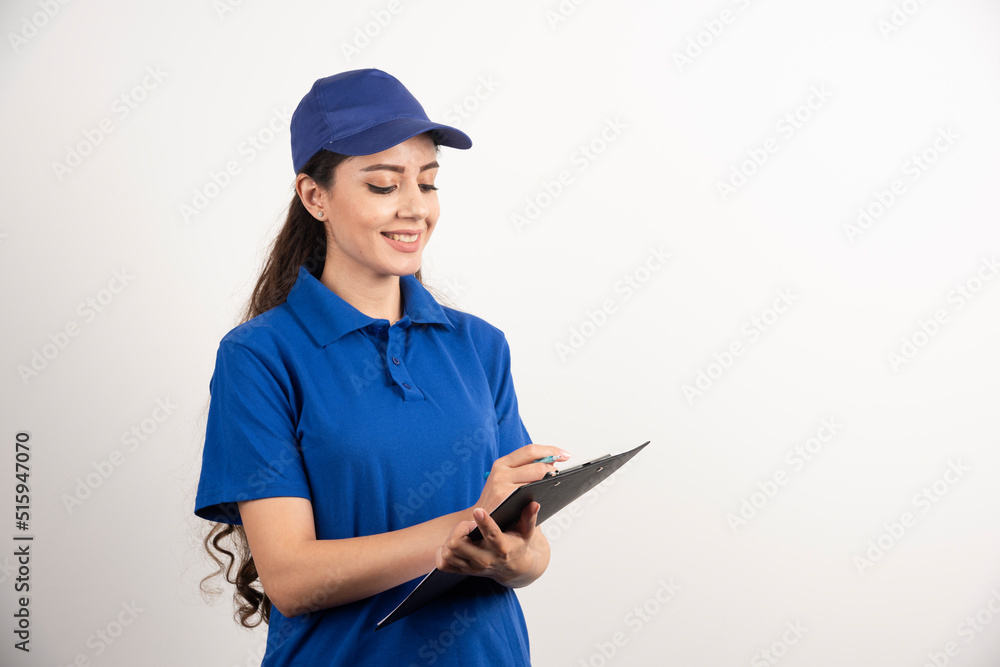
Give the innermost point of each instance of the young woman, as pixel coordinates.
(353, 417)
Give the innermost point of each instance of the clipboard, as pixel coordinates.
(553, 492)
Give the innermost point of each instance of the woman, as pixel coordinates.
(352, 417)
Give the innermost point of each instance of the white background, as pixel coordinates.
(675, 127)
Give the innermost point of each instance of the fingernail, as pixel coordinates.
(479, 513)
(564, 455)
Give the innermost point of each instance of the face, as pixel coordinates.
(381, 211)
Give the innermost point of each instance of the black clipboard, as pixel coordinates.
(552, 493)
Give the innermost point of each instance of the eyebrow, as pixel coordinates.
(397, 168)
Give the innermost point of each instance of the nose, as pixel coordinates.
(412, 204)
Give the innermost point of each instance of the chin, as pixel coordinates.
(407, 270)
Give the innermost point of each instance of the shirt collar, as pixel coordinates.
(327, 317)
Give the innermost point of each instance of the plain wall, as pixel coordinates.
(761, 235)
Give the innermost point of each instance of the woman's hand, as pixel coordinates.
(513, 558)
(517, 469)
(520, 555)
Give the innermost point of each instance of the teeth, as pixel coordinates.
(405, 238)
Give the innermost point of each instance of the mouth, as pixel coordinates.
(404, 238)
(402, 241)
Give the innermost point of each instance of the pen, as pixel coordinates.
(547, 459)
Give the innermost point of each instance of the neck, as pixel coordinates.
(375, 297)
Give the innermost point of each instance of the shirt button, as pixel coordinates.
(407, 386)
(395, 361)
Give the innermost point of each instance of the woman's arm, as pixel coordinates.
(300, 573)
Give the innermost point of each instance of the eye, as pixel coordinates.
(428, 187)
(380, 190)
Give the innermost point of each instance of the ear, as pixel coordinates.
(312, 196)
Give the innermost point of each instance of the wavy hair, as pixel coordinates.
(301, 241)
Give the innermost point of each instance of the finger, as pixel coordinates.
(531, 453)
(495, 545)
(458, 534)
(529, 519)
(449, 561)
(520, 475)
(452, 554)
(487, 526)
(465, 556)
(528, 464)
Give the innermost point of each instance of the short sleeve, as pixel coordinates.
(251, 449)
(511, 431)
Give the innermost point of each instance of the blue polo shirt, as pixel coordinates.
(380, 427)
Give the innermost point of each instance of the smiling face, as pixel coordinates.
(379, 213)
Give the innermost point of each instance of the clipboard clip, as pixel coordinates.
(599, 468)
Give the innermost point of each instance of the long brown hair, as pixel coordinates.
(300, 242)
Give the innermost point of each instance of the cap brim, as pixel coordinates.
(390, 133)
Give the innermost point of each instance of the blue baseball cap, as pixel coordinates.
(361, 112)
